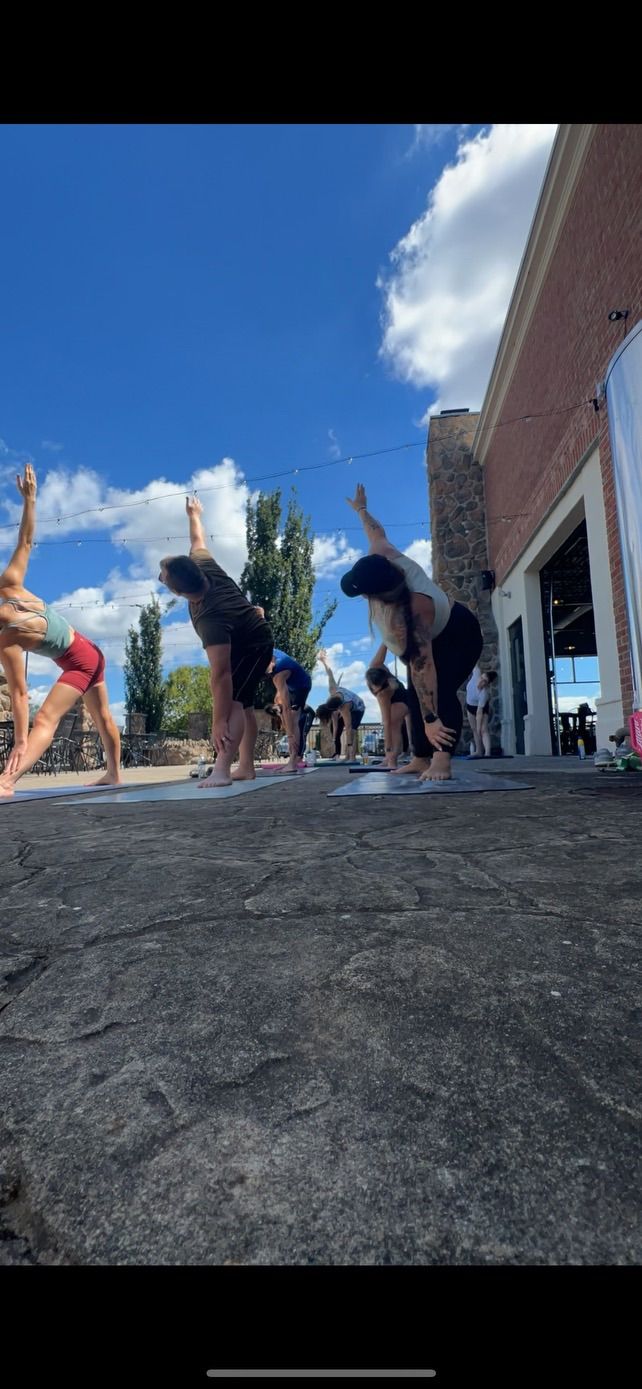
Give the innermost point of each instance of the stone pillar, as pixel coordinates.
(135, 723)
(458, 527)
(5, 698)
(199, 725)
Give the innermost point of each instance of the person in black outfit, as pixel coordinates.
(238, 644)
(393, 701)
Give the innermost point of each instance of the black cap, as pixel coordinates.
(372, 574)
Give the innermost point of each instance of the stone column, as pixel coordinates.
(5, 698)
(458, 527)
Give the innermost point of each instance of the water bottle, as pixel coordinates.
(581, 750)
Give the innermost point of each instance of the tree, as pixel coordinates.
(144, 687)
(280, 577)
(188, 690)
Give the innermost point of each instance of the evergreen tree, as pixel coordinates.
(188, 690)
(279, 577)
(144, 687)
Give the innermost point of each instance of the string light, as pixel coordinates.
(221, 487)
(211, 535)
(288, 472)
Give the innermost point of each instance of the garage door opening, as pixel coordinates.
(571, 647)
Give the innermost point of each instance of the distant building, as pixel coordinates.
(523, 495)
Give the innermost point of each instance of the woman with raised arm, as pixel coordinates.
(392, 698)
(343, 704)
(27, 623)
(438, 641)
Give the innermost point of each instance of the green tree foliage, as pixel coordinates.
(144, 685)
(187, 691)
(280, 578)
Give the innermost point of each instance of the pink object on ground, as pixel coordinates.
(278, 766)
(635, 730)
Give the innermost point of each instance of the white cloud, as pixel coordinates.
(446, 296)
(335, 448)
(148, 532)
(568, 704)
(426, 136)
(52, 446)
(421, 551)
(38, 694)
(331, 554)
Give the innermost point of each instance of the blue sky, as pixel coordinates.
(213, 303)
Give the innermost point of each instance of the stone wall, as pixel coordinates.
(459, 547)
(5, 697)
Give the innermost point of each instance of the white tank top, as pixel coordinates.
(386, 615)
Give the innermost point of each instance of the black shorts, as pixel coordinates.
(356, 716)
(249, 665)
(298, 695)
(474, 709)
(400, 695)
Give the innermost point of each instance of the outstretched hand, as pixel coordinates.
(27, 485)
(359, 500)
(322, 656)
(193, 506)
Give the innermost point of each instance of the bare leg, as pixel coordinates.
(98, 705)
(291, 721)
(409, 733)
(221, 775)
(475, 732)
(245, 770)
(397, 715)
(485, 734)
(58, 702)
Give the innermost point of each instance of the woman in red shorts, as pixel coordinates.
(27, 623)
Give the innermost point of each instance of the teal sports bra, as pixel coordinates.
(58, 635)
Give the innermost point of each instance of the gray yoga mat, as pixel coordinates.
(43, 793)
(189, 791)
(386, 785)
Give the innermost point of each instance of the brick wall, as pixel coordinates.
(596, 267)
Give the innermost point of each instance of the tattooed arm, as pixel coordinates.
(379, 542)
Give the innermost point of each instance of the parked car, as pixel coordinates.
(373, 742)
(283, 747)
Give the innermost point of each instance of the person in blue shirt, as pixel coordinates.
(293, 685)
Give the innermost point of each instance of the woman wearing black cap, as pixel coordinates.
(439, 641)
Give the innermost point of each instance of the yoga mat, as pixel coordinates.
(335, 762)
(386, 785)
(189, 791)
(42, 793)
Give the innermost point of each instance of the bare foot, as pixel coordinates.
(418, 764)
(214, 780)
(107, 780)
(6, 790)
(439, 769)
(244, 774)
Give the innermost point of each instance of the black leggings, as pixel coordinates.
(455, 652)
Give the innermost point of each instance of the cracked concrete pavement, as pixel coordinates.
(284, 1029)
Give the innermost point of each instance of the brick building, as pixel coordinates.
(527, 488)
